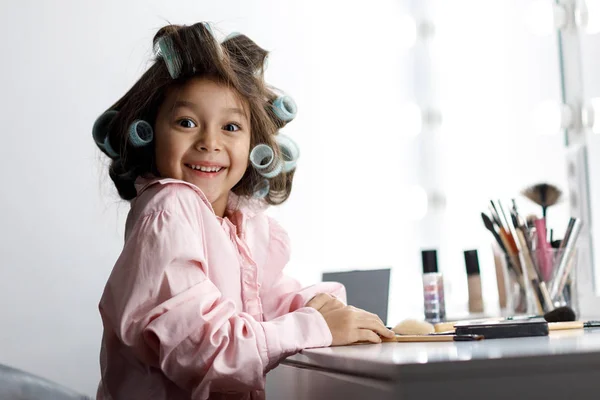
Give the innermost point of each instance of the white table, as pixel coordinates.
(564, 365)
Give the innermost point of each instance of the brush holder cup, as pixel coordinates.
(516, 301)
(555, 277)
(526, 295)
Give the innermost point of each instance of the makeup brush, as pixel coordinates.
(568, 251)
(507, 239)
(489, 225)
(564, 326)
(560, 314)
(543, 194)
(514, 213)
(529, 248)
(542, 295)
(494, 215)
(530, 219)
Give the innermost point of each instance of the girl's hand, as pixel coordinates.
(349, 324)
(325, 302)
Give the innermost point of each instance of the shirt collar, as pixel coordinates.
(238, 209)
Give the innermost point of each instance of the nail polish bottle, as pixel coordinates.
(433, 288)
(473, 281)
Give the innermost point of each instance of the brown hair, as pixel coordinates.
(237, 62)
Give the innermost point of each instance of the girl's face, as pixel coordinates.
(202, 134)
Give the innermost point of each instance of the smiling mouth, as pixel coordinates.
(208, 170)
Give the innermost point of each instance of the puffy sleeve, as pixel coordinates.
(283, 294)
(162, 306)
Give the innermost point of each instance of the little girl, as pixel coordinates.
(197, 305)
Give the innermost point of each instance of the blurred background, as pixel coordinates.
(412, 116)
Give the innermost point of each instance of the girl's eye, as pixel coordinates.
(186, 123)
(232, 127)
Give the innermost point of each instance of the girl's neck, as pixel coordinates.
(220, 205)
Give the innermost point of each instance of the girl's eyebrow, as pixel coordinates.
(184, 104)
(191, 105)
(234, 110)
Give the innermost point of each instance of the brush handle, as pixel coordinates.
(542, 297)
(564, 265)
(513, 262)
(432, 338)
(444, 327)
(497, 237)
(563, 326)
(511, 251)
(495, 214)
(544, 251)
(567, 235)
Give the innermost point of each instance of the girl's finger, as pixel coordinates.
(375, 316)
(367, 314)
(375, 325)
(367, 335)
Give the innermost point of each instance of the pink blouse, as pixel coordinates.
(197, 306)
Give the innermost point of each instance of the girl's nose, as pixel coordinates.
(208, 141)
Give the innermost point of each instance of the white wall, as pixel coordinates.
(66, 61)
(497, 81)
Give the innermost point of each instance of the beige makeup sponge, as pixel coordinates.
(413, 327)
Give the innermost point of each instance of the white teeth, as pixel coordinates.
(205, 169)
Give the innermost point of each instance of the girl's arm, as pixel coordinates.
(284, 294)
(160, 304)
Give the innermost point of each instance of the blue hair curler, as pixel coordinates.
(208, 27)
(262, 189)
(100, 128)
(140, 133)
(231, 36)
(109, 150)
(170, 56)
(290, 152)
(262, 158)
(100, 132)
(285, 108)
(274, 172)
